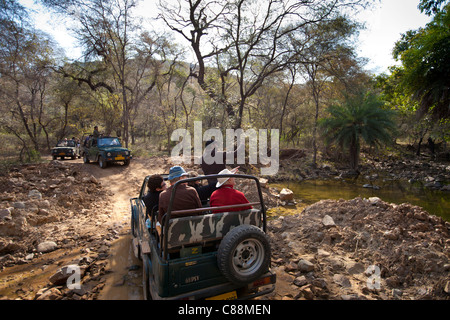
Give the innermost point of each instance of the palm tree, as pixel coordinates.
(359, 117)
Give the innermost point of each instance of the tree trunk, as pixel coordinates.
(354, 154)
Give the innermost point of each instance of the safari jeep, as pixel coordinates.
(105, 150)
(66, 148)
(209, 256)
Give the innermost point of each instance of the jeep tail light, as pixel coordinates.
(263, 281)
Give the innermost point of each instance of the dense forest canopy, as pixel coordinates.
(273, 64)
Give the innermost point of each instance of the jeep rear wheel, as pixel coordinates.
(244, 254)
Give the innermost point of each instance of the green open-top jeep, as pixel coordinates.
(205, 256)
(105, 150)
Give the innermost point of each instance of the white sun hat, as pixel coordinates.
(222, 181)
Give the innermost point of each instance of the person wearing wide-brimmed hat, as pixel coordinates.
(226, 195)
(185, 197)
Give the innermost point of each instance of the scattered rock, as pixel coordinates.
(391, 235)
(322, 253)
(291, 266)
(64, 273)
(34, 194)
(342, 280)
(19, 205)
(49, 294)
(356, 268)
(447, 287)
(5, 213)
(263, 182)
(300, 281)
(374, 200)
(306, 292)
(397, 293)
(328, 221)
(305, 266)
(46, 246)
(90, 179)
(286, 195)
(45, 204)
(29, 257)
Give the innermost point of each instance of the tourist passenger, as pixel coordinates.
(185, 197)
(226, 195)
(204, 191)
(156, 185)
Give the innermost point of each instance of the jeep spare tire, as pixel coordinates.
(244, 254)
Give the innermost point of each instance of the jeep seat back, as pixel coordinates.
(209, 227)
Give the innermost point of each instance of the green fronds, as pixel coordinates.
(359, 118)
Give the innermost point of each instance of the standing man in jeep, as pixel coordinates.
(96, 133)
(211, 152)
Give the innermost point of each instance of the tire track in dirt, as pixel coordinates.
(124, 282)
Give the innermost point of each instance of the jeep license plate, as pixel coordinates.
(226, 296)
(62, 154)
(120, 158)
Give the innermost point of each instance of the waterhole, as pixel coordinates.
(308, 192)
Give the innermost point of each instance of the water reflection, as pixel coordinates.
(311, 191)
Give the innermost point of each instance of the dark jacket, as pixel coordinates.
(215, 167)
(204, 192)
(151, 199)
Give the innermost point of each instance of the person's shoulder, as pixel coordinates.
(190, 189)
(147, 196)
(164, 193)
(239, 193)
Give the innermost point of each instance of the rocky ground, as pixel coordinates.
(66, 213)
(361, 249)
(53, 215)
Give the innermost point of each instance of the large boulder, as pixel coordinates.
(286, 195)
